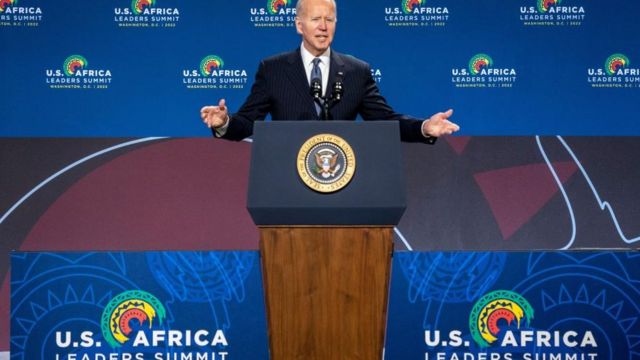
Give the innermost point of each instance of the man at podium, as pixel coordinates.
(297, 85)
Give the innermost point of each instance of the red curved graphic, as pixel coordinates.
(496, 316)
(516, 194)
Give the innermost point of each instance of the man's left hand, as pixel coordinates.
(438, 124)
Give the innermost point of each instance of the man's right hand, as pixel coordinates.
(215, 116)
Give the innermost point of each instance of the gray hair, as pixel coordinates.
(300, 5)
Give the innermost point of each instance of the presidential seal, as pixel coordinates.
(326, 163)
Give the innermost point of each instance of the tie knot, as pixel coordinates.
(316, 61)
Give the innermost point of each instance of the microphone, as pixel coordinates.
(316, 88)
(338, 89)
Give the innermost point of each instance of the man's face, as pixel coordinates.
(317, 24)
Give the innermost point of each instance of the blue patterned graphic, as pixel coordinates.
(51, 292)
(204, 277)
(450, 277)
(586, 290)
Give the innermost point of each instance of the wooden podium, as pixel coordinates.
(326, 258)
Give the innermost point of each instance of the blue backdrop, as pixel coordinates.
(542, 67)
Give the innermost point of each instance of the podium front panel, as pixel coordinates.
(374, 196)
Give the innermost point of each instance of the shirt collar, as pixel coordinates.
(307, 57)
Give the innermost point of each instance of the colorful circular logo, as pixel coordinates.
(616, 62)
(478, 62)
(210, 63)
(326, 163)
(129, 305)
(409, 5)
(5, 3)
(544, 5)
(138, 6)
(74, 63)
(499, 305)
(275, 5)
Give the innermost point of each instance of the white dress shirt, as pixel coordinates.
(325, 62)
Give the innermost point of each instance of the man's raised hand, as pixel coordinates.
(215, 116)
(439, 124)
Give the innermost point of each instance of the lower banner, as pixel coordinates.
(131, 306)
(508, 306)
(209, 306)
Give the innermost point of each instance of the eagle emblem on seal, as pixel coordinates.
(327, 163)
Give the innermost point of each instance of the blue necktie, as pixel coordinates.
(316, 74)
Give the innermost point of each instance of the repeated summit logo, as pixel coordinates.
(500, 324)
(146, 13)
(481, 72)
(11, 14)
(616, 73)
(122, 309)
(214, 74)
(133, 325)
(493, 308)
(552, 13)
(76, 74)
(276, 13)
(416, 13)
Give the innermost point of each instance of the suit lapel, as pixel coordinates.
(298, 78)
(295, 71)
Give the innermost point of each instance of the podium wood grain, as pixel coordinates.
(326, 290)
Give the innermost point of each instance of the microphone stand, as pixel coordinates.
(324, 102)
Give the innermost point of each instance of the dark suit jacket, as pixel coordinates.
(281, 89)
